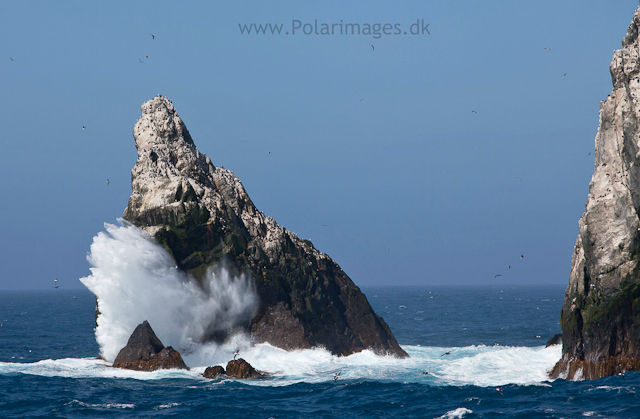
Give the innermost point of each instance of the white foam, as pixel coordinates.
(135, 279)
(474, 365)
(103, 405)
(456, 414)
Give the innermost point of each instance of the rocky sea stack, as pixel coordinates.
(601, 313)
(204, 218)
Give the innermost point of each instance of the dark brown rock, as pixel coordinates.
(214, 372)
(239, 368)
(145, 352)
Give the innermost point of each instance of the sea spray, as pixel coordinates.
(135, 279)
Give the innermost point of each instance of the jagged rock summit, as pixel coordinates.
(600, 317)
(203, 216)
(145, 352)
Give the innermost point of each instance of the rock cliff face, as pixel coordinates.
(601, 313)
(203, 216)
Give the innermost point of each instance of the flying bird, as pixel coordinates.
(509, 266)
(499, 390)
(108, 182)
(55, 283)
(152, 36)
(521, 256)
(11, 59)
(497, 275)
(446, 353)
(374, 48)
(236, 353)
(519, 180)
(335, 377)
(564, 74)
(547, 48)
(83, 127)
(140, 60)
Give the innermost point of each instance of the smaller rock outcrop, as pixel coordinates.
(213, 372)
(145, 352)
(554, 340)
(239, 368)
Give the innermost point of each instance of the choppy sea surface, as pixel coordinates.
(475, 352)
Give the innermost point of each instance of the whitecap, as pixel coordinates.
(456, 414)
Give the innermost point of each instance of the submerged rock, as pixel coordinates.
(145, 352)
(203, 216)
(600, 317)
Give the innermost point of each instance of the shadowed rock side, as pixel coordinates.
(202, 215)
(600, 317)
(145, 352)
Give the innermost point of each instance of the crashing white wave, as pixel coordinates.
(135, 279)
(482, 366)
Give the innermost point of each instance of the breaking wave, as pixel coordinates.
(135, 279)
(482, 366)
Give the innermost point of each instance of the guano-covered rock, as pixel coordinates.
(203, 216)
(600, 317)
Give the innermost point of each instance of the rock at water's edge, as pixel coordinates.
(600, 316)
(145, 352)
(203, 216)
(239, 368)
(554, 340)
(214, 372)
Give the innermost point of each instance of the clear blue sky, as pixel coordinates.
(380, 145)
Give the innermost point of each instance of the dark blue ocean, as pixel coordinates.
(495, 337)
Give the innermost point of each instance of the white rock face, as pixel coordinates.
(596, 317)
(169, 165)
(202, 214)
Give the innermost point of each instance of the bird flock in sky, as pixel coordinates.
(153, 37)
